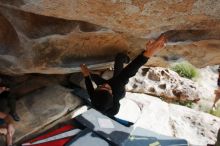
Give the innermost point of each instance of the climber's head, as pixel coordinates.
(103, 98)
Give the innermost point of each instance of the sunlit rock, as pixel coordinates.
(164, 83)
(56, 37)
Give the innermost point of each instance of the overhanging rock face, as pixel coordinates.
(47, 36)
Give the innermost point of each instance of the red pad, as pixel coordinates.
(59, 142)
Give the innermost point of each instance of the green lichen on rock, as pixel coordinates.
(186, 70)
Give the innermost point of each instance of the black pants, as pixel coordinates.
(7, 99)
(118, 67)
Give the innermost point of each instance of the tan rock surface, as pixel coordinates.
(56, 36)
(132, 16)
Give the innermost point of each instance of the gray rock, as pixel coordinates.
(41, 108)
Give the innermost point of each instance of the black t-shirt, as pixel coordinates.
(4, 94)
(118, 83)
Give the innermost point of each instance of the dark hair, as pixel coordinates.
(102, 100)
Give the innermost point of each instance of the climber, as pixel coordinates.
(8, 98)
(106, 96)
(217, 91)
(6, 128)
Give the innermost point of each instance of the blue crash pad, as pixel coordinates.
(153, 141)
(125, 136)
(87, 138)
(117, 134)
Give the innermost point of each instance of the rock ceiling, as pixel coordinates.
(54, 37)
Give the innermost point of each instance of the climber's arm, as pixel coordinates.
(7, 119)
(88, 82)
(152, 47)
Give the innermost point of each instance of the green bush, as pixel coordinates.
(187, 103)
(186, 70)
(215, 112)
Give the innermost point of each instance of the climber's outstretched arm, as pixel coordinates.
(152, 47)
(88, 82)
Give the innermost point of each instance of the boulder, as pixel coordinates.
(196, 127)
(41, 108)
(54, 37)
(165, 83)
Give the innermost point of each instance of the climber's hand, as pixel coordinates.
(152, 47)
(3, 88)
(11, 130)
(84, 70)
(3, 131)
